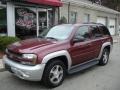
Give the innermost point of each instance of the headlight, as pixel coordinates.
(30, 57)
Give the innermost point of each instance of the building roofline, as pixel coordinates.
(91, 6)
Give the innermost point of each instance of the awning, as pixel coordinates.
(56, 3)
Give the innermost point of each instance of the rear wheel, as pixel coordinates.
(105, 57)
(54, 73)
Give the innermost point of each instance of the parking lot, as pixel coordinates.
(95, 78)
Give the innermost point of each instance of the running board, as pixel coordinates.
(83, 66)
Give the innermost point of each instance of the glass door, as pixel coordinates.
(43, 22)
(45, 19)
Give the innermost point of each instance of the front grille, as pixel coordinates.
(14, 53)
(14, 56)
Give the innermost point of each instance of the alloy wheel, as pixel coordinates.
(56, 74)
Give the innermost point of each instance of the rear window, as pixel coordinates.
(104, 30)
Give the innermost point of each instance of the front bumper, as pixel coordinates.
(31, 73)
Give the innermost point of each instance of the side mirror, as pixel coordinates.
(78, 39)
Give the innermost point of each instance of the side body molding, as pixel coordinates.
(103, 46)
(57, 54)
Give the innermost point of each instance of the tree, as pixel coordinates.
(113, 4)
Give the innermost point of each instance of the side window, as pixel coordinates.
(104, 30)
(95, 31)
(83, 32)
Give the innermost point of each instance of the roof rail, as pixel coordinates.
(92, 23)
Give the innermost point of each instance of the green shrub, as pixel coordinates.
(5, 41)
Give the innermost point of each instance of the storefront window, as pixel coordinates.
(25, 22)
(87, 18)
(73, 17)
(3, 22)
(27, 19)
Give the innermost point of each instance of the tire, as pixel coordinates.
(54, 73)
(105, 57)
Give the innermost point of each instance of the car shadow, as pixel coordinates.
(31, 84)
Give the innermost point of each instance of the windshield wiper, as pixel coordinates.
(51, 38)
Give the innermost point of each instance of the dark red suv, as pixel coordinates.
(64, 49)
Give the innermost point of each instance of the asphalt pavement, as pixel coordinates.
(95, 78)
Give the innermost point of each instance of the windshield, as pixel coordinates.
(61, 32)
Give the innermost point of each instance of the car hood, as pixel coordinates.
(30, 45)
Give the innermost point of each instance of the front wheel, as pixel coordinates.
(105, 57)
(54, 73)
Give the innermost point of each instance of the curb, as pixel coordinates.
(2, 69)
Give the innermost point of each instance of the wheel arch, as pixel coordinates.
(107, 45)
(108, 48)
(63, 55)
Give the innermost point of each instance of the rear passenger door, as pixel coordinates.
(96, 40)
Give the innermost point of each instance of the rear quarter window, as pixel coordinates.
(95, 31)
(104, 30)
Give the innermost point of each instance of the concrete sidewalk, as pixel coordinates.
(116, 39)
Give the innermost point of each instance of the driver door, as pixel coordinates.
(81, 51)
